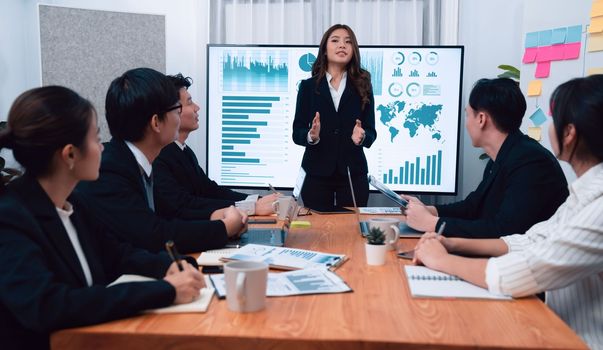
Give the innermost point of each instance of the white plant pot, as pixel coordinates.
(375, 254)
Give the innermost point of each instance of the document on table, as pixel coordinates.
(287, 258)
(212, 257)
(300, 282)
(199, 305)
(425, 282)
(379, 210)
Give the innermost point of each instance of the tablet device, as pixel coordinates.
(387, 192)
(332, 210)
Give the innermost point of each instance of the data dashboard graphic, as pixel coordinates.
(252, 92)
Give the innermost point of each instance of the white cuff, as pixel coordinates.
(309, 139)
(493, 277)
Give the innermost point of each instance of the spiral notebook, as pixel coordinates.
(427, 283)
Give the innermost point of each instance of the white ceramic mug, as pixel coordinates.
(246, 283)
(282, 205)
(389, 226)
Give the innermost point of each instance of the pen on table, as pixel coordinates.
(441, 230)
(173, 253)
(272, 188)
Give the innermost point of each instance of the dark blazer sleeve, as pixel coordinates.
(117, 198)
(38, 291)
(528, 190)
(184, 191)
(304, 113)
(368, 123)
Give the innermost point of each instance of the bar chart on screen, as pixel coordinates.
(423, 171)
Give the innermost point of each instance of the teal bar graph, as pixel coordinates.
(231, 129)
(246, 111)
(415, 173)
(241, 142)
(251, 98)
(242, 136)
(240, 160)
(235, 116)
(245, 104)
(224, 147)
(233, 154)
(243, 122)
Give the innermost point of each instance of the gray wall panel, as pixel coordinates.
(86, 49)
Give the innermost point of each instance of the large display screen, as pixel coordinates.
(251, 97)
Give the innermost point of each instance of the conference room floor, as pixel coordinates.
(379, 314)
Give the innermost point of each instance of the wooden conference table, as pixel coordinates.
(379, 314)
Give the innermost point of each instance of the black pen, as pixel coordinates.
(173, 253)
(272, 188)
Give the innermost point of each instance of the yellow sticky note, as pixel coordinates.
(594, 70)
(535, 88)
(596, 25)
(300, 224)
(535, 132)
(597, 9)
(595, 42)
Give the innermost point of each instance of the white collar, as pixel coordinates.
(66, 211)
(181, 145)
(141, 159)
(344, 79)
(589, 184)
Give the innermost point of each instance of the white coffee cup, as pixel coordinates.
(246, 283)
(389, 226)
(282, 205)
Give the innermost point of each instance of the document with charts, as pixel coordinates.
(287, 258)
(425, 282)
(299, 282)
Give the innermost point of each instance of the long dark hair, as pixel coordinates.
(42, 121)
(360, 78)
(580, 102)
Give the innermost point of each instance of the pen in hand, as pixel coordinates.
(441, 230)
(272, 188)
(173, 253)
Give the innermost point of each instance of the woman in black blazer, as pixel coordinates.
(334, 120)
(55, 258)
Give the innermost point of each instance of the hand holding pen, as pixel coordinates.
(431, 243)
(186, 279)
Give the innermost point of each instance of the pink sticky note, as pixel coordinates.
(572, 51)
(557, 52)
(529, 56)
(544, 54)
(543, 69)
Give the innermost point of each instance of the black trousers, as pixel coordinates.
(334, 190)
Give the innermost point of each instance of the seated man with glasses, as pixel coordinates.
(185, 189)
(143, 113)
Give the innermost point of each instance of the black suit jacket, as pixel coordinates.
(42, 284)
(185, 191)
(336, 150)
(525, 185)
(120, 201)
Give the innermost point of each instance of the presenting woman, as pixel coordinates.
(55, 258)
(563, 255)
(334, 120)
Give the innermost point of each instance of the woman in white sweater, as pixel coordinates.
(563, 255)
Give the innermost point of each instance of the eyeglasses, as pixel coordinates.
(178, 107)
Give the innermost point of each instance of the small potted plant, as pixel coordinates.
(375, 247)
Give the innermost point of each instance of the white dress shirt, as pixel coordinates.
(64, 214)
(141, 159)
(563, 256)
(335, 95)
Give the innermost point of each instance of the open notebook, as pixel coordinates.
(425, 282)
(199, 305)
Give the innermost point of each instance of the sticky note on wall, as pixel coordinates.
(596, 25)
(559, 35)
(538, 117)
(574, 34)
(543, 69)
(595, 70)
(572, 51)
(529, 55)
(535, 88)
(597, 9)
(535, 132)
(531, 39)
(595, 42)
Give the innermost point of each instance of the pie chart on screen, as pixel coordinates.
(306, 61)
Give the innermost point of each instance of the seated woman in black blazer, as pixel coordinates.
(55, 258)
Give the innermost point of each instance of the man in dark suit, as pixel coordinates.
(143, 114)
(523, 183)
(185, 190)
